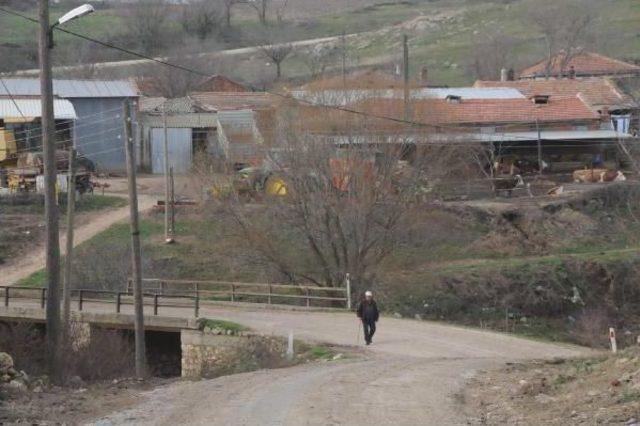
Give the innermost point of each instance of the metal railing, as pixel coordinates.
(269, 293)
(81, 297)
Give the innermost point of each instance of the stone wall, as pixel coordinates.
(209, 354)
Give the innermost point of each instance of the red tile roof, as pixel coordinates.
(485, 111)
(584, 64)
(597, 92)
(221, 101)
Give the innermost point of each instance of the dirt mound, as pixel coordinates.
(602, 390)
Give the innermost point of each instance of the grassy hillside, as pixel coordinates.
(443, 33)
(563, 272)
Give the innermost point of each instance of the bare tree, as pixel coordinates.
(566, 27)
(491, 54)
(277, 53)
(281, 11)
(319, 57)
(261, 7)
(228, 6)
(351, 197)
(201, 19)
(147, 24)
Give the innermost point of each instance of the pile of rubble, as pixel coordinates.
(14, 380)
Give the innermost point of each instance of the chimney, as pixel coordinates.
(572, 72)
(424, 76)
(504, 74)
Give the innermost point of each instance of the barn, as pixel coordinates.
(97, 132)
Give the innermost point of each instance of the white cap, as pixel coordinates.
(368, 293)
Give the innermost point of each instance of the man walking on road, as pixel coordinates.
(368, 313)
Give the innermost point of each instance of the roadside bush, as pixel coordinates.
(105, 355)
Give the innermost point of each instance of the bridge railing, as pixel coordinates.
(82, 297)
(266, 293)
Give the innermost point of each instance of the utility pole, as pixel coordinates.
(343, 40)
(168, 237)
(52, 245)
(136, 267)
(173, 202)
(66, 287)
(539, 148)
(405, 46)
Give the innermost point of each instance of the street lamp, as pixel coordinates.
(76, 13)
(52, 266)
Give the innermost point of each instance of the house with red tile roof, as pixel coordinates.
(600, 94)
(583, 64)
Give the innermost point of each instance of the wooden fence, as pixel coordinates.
(269, 293)
(83, 297)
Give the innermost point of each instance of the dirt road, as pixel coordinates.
(96, 223)
(411, 375)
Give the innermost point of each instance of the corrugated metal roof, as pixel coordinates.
(71, 88)
(190, 121)
(344, 97)
(30, 108)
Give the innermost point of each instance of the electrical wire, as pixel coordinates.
(206, 74)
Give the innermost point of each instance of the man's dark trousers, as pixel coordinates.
(369, 326)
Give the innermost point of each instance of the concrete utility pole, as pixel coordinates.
(136, 267)
(71, 206)
(405, 46)
(168, 234)
(52, 245)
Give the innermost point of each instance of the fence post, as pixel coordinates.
(197, 307)
(129, 285)
(118, 302)
(233, 293)
(80, 300)
(155, 304)
(306, 290)
(162, 287)
(269, 301)
(43, 297)
(6, 296)
(196, 289)
(347, 280)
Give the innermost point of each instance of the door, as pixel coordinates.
(180, 150)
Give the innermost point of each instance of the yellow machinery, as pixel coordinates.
(8, 148)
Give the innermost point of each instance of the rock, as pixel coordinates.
(615, 382)
(542, 398)
(574, 413)
(337, 357)
(593, 393)
(632, 421)
(6, 362)
(397, 315)
(75, 381)
(24, 376)
(418, 317)
(37, 389)
(18, 385)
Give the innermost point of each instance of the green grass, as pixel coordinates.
(35, 280)
(321, 352)
(224, 325)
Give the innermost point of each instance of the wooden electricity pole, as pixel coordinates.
(168, 237)
(405, 47)
(136, 266)
(52, 245)
(66, 287)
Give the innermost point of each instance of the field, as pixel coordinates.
(21, 221)
(443, 33)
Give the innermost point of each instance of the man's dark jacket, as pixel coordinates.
(368, 311)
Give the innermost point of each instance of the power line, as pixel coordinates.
(206, 74)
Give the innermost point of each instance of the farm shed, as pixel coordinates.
(191, 130)
(97, 132)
